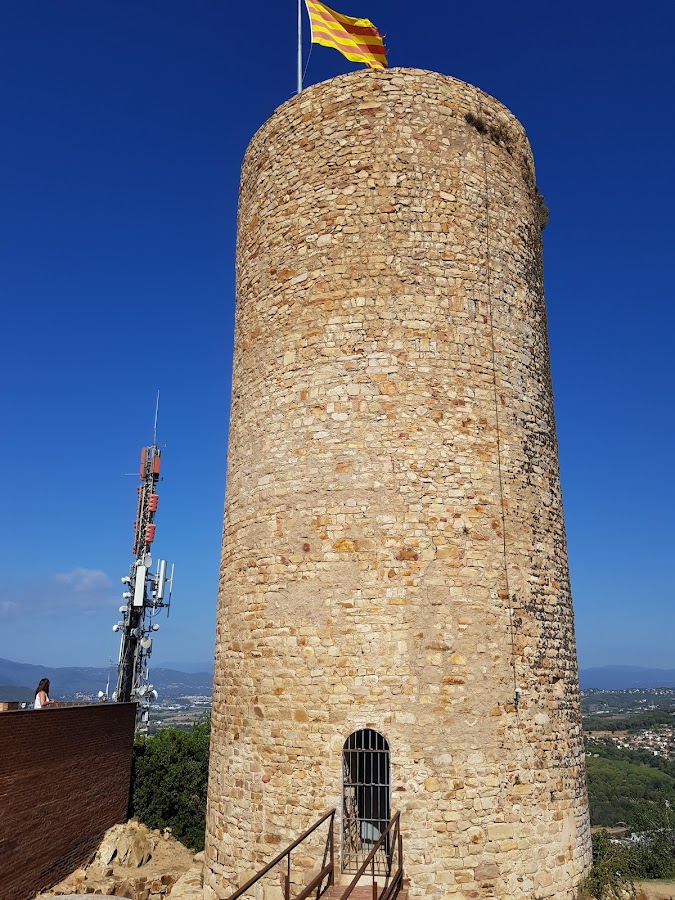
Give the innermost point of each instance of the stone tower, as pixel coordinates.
(394, 576)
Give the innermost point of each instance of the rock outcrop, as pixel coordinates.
(130, 844)
(138, 863)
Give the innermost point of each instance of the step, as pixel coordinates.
(359, 893)
(346, 878)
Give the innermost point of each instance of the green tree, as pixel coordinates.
(653, 856)
(169, 781)
(607, 749)
(610, 877)
(622, 791)
(629, 722)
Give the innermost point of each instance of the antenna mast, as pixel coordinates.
(146, 593)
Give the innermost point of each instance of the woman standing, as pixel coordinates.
(42, 695)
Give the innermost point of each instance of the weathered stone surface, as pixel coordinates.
(189, 885)
(125, 889)
(129, 844)
(393, 548)
(125, 875)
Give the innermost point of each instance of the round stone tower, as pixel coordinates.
(395, 624)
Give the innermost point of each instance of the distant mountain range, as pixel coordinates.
(71, 680)
(193, 667)
(622, 678)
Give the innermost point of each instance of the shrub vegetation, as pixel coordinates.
(169, 781)
(631, 722)
(625, 792)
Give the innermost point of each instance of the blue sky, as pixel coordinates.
(124, 125)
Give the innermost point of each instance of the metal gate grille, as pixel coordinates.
(366, 798)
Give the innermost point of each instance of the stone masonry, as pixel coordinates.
(394, 549)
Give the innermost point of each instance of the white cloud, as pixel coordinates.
(80, 590)
(8, 609)
(84, 580)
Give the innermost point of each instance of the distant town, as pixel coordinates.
(184, 698)
(636, 719)
(659, 741)
(170, 712)
(596, 702)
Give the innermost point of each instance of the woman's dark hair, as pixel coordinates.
(43, 686)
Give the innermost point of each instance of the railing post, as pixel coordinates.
(372, 866)
(331, 879)
(400, 846)
(280, 857)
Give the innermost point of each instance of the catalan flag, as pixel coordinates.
(357, 39)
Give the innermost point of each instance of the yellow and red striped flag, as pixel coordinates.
(357, 39)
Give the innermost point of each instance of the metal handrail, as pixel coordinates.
(392, 888)
(326, 870)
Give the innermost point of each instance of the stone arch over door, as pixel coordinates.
(366, 796)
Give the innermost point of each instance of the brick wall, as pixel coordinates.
(64, 779)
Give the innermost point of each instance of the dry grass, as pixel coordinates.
(655, 890)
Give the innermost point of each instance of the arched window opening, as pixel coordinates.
(366, 798)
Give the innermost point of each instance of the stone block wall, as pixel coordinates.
(394, 549)
(64, 780)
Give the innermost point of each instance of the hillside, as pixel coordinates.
(623, 678)
(71, 680)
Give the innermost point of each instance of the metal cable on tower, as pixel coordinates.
(146, 594)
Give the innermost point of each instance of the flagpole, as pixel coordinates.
(299, 47)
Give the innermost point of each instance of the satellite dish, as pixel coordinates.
(146, 643)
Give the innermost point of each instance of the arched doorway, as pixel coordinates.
(366, 797)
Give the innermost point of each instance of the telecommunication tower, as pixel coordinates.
(146, 594)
